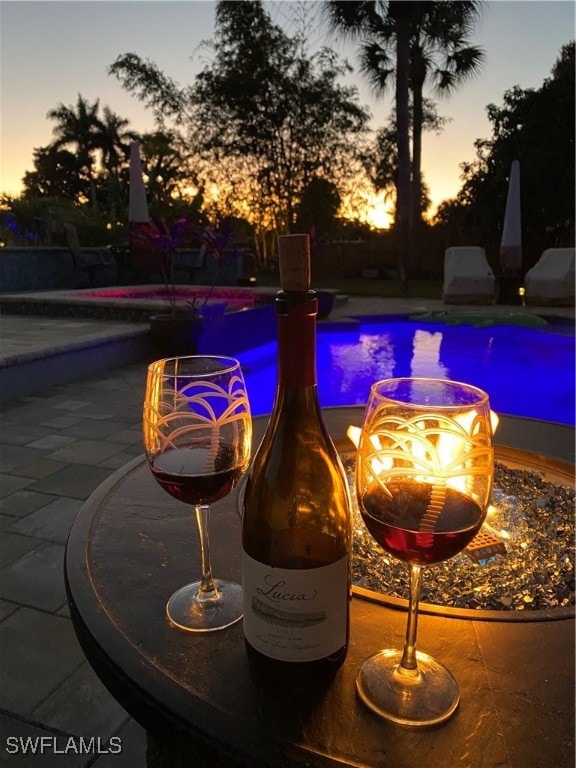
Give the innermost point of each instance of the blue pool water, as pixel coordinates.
(526, 371)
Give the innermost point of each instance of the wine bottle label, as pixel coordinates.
(295, 615)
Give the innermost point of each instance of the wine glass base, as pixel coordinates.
(426, 698)
(187, 612)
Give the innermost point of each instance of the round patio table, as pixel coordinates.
(203, 704)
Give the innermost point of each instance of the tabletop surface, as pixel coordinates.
(132, 545)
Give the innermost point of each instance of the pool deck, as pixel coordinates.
(57, 445)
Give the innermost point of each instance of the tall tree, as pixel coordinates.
(113, 137)
(409, 44)
(264, 98)
(381, 162)
(536, 127)
(78, 126)
(87, 159)
(166, 169)
(386, 28)
(263, 115)
(440, 54)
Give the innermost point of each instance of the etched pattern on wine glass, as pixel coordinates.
(435, 448)
(178, 411)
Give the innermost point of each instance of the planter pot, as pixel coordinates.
(173, 335)
(325, 303)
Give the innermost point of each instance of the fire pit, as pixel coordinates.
(522, 560)
(521, 566)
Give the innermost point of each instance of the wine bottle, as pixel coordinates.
(296, 531)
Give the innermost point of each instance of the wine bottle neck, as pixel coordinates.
(296, 339)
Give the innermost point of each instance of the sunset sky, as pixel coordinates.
(51, 51)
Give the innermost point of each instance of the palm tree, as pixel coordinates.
(78, 126)
(439, 54)
(410, 43)
(389, 25)
(113, 139)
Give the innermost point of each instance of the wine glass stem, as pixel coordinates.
(409, 662)
(207, 590)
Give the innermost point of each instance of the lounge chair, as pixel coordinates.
(468, 278)
(97, 263)
(550, 282)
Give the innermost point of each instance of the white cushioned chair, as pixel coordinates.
(468, 278)
(550, 282)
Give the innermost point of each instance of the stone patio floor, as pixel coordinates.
(56, 446)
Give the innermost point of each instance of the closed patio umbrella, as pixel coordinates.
(511, 243)
(137, 203)
(142, 233)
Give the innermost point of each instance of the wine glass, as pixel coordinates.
(423, 477)
(197, 437)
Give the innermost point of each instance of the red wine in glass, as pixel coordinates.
(397, 520)
(180, 473)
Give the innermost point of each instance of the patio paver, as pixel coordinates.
(74, 480)
(36, 579)
(43, 651)
(51, 523)
(82, 699)
(24, 501)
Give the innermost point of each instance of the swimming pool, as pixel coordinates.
(527, 372)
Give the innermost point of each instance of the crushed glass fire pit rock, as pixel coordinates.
(533, 569)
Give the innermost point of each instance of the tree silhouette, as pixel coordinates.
(263, 118)
(535, 127)
(57, 173)
(408, 44)
(166, 169)
(78, 126)
(113, 137)
(386, 26)
(439, 54)
(100, 144)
